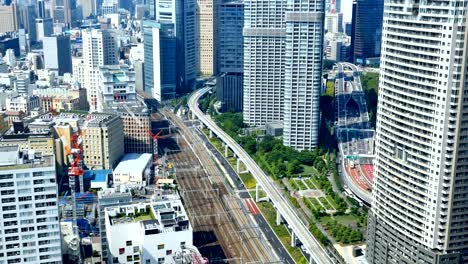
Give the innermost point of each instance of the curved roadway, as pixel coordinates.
(313, 247)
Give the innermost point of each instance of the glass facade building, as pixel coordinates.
(367, 19)
(230, 55)
(160, 77)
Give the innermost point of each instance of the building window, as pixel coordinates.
(136, 249)
(115, 260)
(129, 258)
(121, 251)
(129, 243)
(160, 260)
(168, 252)
(161, 246)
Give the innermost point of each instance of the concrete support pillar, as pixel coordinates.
(257, 193)
(226, 151)
(211, 134)
(293, 239)
(278, 217)
(238, 165)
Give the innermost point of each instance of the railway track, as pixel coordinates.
(211, 206)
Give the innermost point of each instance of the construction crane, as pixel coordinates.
(75, 154)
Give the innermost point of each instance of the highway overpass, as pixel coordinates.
(285, 211)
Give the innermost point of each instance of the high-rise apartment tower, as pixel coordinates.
(420, 200)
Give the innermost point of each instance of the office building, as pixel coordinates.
(99, 49)
(57, 54)
(134, 170)
(41, 10)
(116, 84)
(64, 11)
(44, 28)
(136, 126)
(206, 36)
(230, 56)
(7, 42)
(108, 198)
(367, 35)
(282, 71)
(87, 7)
(110, 7)
(28, 17)
(191, 44)
(160, 73)
(148, 232)
(334, 23)
(419, 204)
(103, 141)
(8, 18)
(29, 222)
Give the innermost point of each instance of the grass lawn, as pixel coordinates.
(281, 231)
(309, 170)
(299, 184)
(142, 218)
(325, 203)
(315, 203)
(343, 219)
(332, 202)
(294, 185)
(248, 180)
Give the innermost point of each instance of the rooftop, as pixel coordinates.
(133, 162)
(11, 158)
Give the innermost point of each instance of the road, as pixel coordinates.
(312, 246)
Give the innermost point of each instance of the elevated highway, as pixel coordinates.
(285, 211)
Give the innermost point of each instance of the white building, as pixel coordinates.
(283, 48)
(148, 232)
(22, 103)
(116, 84)
(133, 169)
(29, 222)
(334, 23)
(206, 17)
(10, 58)
(110, 7)
(420, 203)
(99, 49)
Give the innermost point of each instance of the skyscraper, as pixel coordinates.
(99, 49)
(57, 54)
(283, 46)
(190, 45)
(419, 205)
(8, 18)
(29, 222)
(264, 58)
(44, 28)
(303, 73)
(160, 60)
(206, 16)
(28, 20)
(230, 55)
(367, 18)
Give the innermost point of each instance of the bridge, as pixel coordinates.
(285, 211)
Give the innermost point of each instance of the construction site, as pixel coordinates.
(224, 229)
